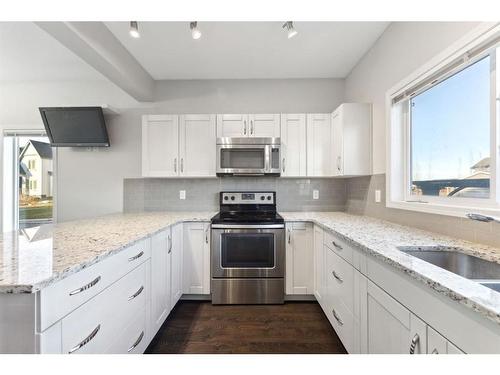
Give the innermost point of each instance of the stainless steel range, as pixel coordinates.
(248, 250)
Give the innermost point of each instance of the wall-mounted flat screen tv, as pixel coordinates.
(75, 126)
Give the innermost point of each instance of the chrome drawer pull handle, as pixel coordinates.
(283, 165)
(414, 343)
(206, 235)
(336, 245)
(435, 351)
(337, 318)
(86, 340)
(137, 342)
(341, 280)
(85, 287)
(136, 256)
(289, 235)
(169, 244)
(136, 293)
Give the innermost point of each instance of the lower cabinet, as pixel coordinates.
(196, 258)
(161, 247)
(319, 268)
(299, 274)
(176, 263)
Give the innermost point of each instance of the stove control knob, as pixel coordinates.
(262, 197)
(232, 197)
(226, 198)
(268, 197)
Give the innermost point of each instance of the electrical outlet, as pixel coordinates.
(315, 194)
(182, 194)
(378, 196)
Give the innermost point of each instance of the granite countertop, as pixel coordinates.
(381, 238)
(33, 258)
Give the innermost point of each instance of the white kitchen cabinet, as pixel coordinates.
(176, 264)
(319, 145)
(351, 140)
(437, 344)
(197, 154)
(196, 258)
(299, 275)
(248, 125)
(160, 278)
(293, 145)
(389, 327)
(160, 145)
(319, 265)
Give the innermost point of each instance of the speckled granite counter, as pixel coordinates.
(33, 258)
(381, 238)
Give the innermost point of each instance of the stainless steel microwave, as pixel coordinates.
(248, 156)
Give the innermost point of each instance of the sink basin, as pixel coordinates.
(495, 285)
(451, 259)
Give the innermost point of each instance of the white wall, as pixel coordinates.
(90, 183)
(401, 49)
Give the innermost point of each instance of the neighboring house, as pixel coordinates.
(35, 169)
(481, 166)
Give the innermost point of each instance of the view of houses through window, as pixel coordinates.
(450, 136)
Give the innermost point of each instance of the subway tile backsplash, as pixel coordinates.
(293, 194)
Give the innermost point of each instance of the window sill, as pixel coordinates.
(442, 209)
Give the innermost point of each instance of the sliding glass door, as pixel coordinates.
(28, 180)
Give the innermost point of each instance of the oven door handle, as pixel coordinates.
(257, 226)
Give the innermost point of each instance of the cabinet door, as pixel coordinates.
(389, 327)
(319, 265)
(319, 139)
(160, 145)
(176, 264)
(197, 145)
(437, 344)
(232, 125)
(293, 145)
(337, 144)
(264, 125)
(196, 258)
(160, 279)
(299, 259)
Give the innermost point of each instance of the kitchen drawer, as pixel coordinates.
(340, 279)
(95, 325)
(339, 246)
(344, 323)
(133, 338)
(64, 296)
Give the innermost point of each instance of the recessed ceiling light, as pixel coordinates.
(134, 30)
(195, 32)
(288, 26)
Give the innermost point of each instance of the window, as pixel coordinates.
(444, 133)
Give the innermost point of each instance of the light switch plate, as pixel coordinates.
(315, 194)
(378, 197)
(182, 194)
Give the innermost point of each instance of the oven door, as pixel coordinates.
(243, 251)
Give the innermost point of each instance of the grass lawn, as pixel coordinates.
(30, 213)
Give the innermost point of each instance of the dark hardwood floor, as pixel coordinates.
(199, 327)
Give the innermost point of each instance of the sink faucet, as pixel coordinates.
(483, 218)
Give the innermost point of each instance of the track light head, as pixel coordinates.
(288, 26)
(134, 30)
(195, 32)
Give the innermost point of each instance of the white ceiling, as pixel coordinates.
(245, 50)
(28, 53)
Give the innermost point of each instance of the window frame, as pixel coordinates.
(398, 176)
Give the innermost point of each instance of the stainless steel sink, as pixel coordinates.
(451, 259)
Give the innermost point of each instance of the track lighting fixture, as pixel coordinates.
(195, 32)
(288, 26)
(134, 30)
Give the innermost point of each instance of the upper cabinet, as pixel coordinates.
(178, 146)
(293, 145)
(319, 145)
(197, 145)
(160, 145)
(351, 140)
(244, 125)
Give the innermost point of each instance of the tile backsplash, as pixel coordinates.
(361, 201)
(293, 194)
